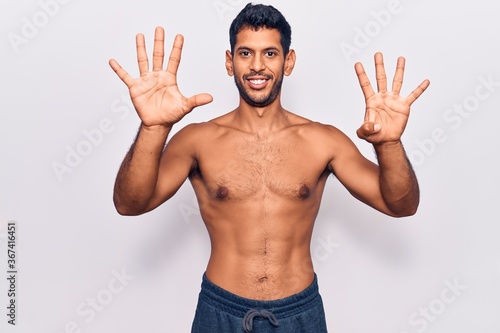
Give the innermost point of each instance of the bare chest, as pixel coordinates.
(259, 168)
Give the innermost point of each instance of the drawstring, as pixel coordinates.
(252, 313)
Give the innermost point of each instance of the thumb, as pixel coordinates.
(199, 100)
(368, 129)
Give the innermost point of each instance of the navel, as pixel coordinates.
(263, 279)
(222, 192)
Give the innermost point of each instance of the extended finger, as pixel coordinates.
(158, 49)
(397, 82)
(368, 129)
(364, 82)
(417, 92)
(142, 56)
(175, 55)
(198, 100)
(380, 73)
(122, 74)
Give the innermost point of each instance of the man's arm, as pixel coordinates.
(137, 177)
(392, 186)
(160, 105)
(397, 180)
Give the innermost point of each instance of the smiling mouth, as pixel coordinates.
(257, 83)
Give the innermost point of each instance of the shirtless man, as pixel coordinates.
(259, 172)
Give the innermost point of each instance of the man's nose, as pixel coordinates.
(257, 64)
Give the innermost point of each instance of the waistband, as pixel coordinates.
(239, 306)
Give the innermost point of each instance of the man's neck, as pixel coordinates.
(261, 120)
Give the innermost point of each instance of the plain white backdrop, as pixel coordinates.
(67, 122)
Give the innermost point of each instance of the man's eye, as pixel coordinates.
(245, 53)
(271, 54)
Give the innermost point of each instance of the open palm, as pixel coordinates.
(386, 112)
(155, 94)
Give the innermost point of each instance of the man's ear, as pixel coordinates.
(290, 62)
(229, 63)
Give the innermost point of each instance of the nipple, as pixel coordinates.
(222, 192)
(304, 192)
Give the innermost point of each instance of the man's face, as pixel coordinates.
(258, 65)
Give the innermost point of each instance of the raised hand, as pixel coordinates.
(386, 112)
(155, 94)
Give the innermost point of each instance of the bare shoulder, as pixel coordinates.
(189, 140)
(327, 139)
(223, 122)
(194, 131)
(319, 130)
(196, 134)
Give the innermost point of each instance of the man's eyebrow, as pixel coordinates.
(272, 48)
(240, 48)
(246, 48)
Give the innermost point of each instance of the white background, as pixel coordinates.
(376, 274)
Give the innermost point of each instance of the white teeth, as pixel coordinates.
(257, 81)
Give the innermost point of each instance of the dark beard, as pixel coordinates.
(262, 102)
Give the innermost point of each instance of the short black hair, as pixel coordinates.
(261, 16)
